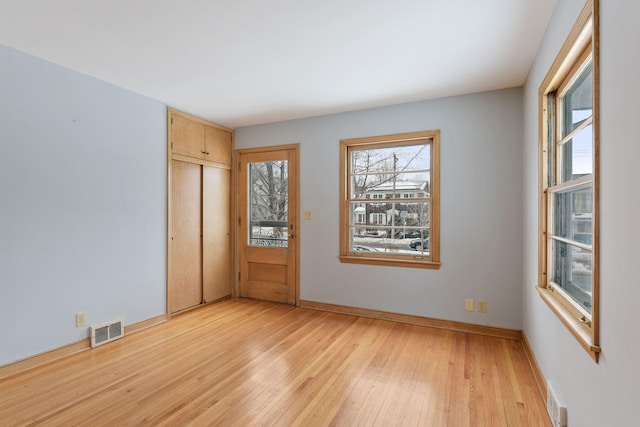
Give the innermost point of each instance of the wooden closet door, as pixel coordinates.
(218, 145)
(187, 137)
(216, 228)
(185, 282)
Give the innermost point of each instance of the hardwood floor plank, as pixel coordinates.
(247, 363)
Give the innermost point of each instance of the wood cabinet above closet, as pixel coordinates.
(199, 241)
(198, 139)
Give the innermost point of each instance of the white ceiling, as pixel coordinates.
(243, 62)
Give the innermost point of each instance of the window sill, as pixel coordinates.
(580, 331)
(390, 262)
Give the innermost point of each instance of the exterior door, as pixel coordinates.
(268, 213)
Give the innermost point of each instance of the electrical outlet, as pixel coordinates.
(482, 306)
(307, 215)
(468, 304)
(81, 319)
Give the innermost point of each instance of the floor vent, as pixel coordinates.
(557, 412)
(106, 332)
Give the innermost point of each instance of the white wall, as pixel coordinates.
(603, 394)
(481, 208)
(82, 205)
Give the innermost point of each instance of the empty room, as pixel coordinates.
(279, 213)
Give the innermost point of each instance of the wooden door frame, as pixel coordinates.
(295, 207)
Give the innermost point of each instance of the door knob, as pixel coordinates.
(291, 236)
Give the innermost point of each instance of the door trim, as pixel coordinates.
(295, 175)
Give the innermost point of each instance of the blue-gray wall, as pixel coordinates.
(604, 394)
(481, 208)
(82, 205)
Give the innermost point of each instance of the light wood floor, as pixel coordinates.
(247, 363)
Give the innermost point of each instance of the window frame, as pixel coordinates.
(432, 261)
(581, 44)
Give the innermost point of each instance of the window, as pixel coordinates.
(378, 218)
(569, 141)
(401, 173)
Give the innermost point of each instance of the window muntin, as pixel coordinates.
(569, 183)
(389, 197)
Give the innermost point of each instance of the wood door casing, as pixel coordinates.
(185, 282)
(268, 273)
(216, 233)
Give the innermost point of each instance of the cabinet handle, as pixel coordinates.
(205, 152)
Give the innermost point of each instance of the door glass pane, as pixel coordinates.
(268, 204)
(571, 270)
(572, 214)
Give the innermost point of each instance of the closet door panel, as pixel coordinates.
(218, 145)
(187, 137)
(217, 259)
(185, 284)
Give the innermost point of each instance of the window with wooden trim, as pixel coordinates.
(390, 200)
(569, 196)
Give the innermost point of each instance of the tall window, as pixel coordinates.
(392, 182)
(569, 196)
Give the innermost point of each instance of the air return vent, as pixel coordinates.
(557, 412)
(105, 332)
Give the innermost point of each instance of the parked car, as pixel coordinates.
(360, 248)
(407, 234)
(417, 244)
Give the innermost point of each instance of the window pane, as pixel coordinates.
(262, 235)
(576, 155)
(572, 214)
(380, 241)
(578, 101)
(268, 223)
(389, 227)
(571, 270)
(396, 214)
(390, 172)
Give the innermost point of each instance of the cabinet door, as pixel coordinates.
(216, 228)
(217, 143)
(185, 280)
(187, 137)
